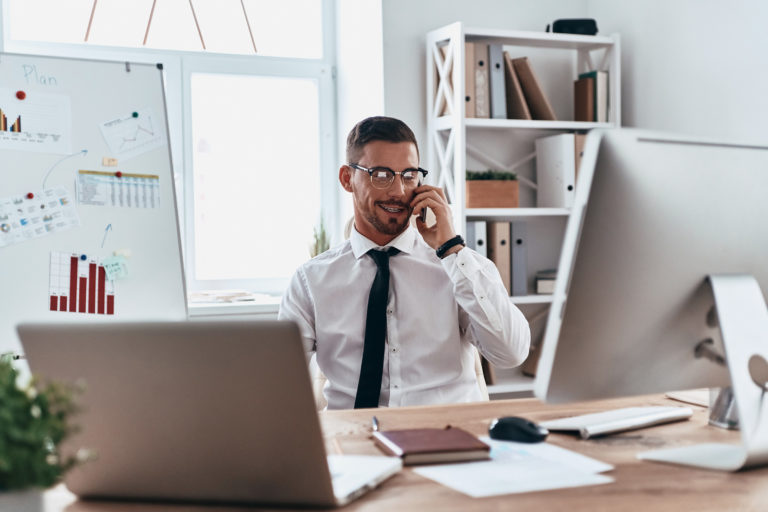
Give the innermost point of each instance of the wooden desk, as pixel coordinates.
(638, 485)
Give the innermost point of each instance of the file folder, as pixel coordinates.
(519, 258)
(499, 250)
(556, 171)
(498, 93)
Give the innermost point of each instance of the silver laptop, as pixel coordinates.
(197, 411)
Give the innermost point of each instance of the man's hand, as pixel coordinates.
(442, 230)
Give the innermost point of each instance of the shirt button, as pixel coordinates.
(394, 349)
(389, 311)
(396, 386)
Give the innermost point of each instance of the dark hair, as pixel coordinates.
(383, 128)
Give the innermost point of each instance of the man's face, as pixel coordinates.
(381, 214)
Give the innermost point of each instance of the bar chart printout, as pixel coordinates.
(79, 284)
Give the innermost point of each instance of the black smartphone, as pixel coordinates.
(423, 215)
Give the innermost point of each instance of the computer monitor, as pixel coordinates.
(654, 215)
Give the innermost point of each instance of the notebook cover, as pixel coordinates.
(421, 443)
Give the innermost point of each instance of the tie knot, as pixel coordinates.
(382, 257)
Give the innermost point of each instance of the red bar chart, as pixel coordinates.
(78, 284)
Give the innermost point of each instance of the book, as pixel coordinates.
(600, 94)
(517, 108)
(545, 281)
(431, 445)
(498, 92)
(584, 99)
(537, 101)
(482, 82)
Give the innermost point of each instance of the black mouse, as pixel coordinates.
(513, 428)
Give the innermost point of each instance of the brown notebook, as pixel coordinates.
(430, 445)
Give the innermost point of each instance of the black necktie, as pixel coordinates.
(369, 385)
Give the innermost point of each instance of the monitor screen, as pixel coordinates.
(653, 216)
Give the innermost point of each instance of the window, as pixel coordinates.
(252, 136)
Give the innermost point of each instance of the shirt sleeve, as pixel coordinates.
(501, 331)
(297, 305)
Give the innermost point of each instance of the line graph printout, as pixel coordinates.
(134, 133)
(79, 284)
(39, 122)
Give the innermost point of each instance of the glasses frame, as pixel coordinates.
(392, 174)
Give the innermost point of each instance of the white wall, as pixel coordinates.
(692, 66)
(406, 22)
(689, 66)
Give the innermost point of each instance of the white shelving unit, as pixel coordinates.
(456, 143)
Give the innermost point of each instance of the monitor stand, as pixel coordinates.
(743, 319)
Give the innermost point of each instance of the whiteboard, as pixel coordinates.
(88, 219)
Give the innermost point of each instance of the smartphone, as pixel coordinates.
(423, 215)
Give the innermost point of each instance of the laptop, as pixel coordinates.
(203, 411)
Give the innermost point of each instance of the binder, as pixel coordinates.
(580, 140)
(517, 108)
(469, 79)
(476, 237)
(482, 86)
(519, 263)
(498, 92)
(534, 95)
(499, 251)
(555, 171)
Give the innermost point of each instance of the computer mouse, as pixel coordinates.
(513, 428)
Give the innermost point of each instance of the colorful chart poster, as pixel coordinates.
(79, 284)
(39, 122)
(134, 133)
(99, 188)
(35, 214)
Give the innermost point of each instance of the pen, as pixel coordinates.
(375, 423)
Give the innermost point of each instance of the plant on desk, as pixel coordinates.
(492, 189)
(34, 420)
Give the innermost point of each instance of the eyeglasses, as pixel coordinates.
(382, 177)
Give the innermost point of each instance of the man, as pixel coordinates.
(409, 338)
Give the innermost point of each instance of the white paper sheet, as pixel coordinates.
(518, 468)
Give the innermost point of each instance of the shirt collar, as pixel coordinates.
(404, 242)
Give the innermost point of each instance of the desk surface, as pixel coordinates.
(638, 485)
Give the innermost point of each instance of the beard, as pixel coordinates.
(391, 226)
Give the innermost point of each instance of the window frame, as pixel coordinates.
(179, 66)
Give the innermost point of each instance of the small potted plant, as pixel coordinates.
(492, 189)
(320, 241)
(35, 418)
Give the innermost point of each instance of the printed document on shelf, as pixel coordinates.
(517, 468)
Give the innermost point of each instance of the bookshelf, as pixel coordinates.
(457, 143)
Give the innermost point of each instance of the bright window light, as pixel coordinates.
(284, 28)
(256, 164)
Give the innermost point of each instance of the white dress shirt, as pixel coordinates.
(436, 310)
